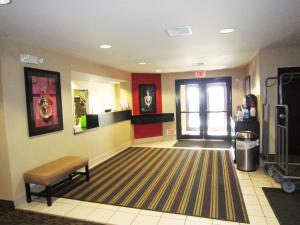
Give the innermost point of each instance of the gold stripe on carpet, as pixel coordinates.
(190, 182)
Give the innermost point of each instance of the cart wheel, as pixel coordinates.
(266, 167)
(288, 187)
(270, 171)
(278, 178)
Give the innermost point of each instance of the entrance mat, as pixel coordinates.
(285, 206)
(203, 144)
(189, 182)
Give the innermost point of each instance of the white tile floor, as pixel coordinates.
(258, 208)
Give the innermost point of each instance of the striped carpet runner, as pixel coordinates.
(190, 182)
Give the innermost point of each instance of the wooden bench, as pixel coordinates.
(54, 173)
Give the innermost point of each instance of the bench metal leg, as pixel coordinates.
(48, 195)
(28, 192)
(87, 173)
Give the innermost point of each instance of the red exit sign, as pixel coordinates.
(199, 74)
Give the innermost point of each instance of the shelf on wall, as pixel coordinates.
(114, 117)
(103, 120)
(152, 118)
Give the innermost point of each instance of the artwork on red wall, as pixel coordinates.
(147, 95)
(43, 99)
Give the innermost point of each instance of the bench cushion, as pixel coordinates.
(53, 171)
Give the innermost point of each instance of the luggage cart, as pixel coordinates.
(282, 170)
(266, 157)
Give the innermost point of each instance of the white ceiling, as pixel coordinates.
(136, 30)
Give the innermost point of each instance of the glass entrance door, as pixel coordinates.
(203, 108)
(190, 110)
(217, 112)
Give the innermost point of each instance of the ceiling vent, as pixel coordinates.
(179, 31)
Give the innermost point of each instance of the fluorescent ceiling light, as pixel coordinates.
(198, 64)
(179, 31)
(103, 46)
(226, 31)
(5, 2)
(142, 63)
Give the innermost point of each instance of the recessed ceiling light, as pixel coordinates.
(142, 63)
(105, 46)
(226, 31)
(198, 64)
(5, 2)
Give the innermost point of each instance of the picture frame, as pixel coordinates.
(147, 96)
(248, 85)
(43, 101)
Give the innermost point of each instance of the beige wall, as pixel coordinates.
(101, 95)
(253, 69)
(25, 152)
(168, 89)
(270, 60)
(5, 190)
(264, 65)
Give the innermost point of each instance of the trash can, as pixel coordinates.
(247, 151)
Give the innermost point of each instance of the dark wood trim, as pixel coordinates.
(152, 118)
(28, 195)
(247, 80)
(105, 119)
(141, 99)
(203, 106)
(5, 204)
(47, 193)
(290, 97)
(114, 117)
(87, 173)
(33, 130)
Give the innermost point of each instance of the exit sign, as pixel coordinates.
(199, 74)
(171, 132)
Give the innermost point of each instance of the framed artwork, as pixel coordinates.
(43, 100)
(147, 95)
(247, 85)
(81, 103)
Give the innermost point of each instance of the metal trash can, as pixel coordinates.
(247, 151)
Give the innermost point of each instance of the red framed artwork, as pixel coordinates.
(43, 99)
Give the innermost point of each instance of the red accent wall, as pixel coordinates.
(152, 129)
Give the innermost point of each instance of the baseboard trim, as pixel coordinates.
(92, 163)
(148, 140)
(103, 157)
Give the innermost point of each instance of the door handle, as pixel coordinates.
(281, 116)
